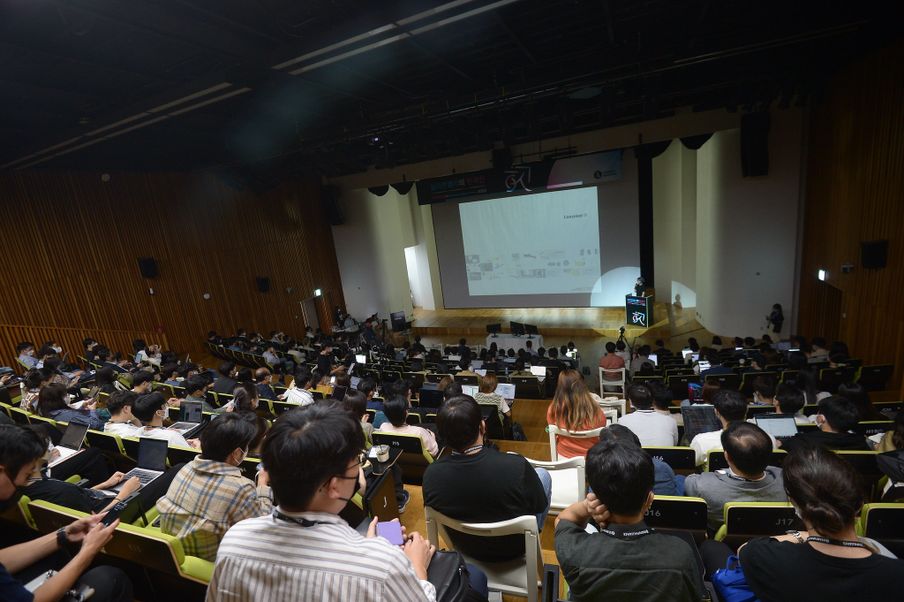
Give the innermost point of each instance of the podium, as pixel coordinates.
(638, 310)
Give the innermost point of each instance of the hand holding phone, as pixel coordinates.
(392, 531)
(114, 512)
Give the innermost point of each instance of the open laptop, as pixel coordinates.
(470, 390)
(191, 419)
(699, 418)
(538, 371)
(780, 426)
(654, 358)
(360, 358)
(71, 443)
(430, 398)
(151, 462)
(507, 390)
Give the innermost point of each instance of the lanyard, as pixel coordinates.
(628, 534)
(837, 542)
(468, 451)
(302, 522)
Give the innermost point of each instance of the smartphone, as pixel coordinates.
(114, 512)
(392, 531)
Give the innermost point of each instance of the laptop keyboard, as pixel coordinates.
(145, 476)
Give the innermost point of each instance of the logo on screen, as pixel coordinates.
(517, 178)
(639, 317)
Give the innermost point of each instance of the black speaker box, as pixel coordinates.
(755, 144)
(502, 158)
(263, 284)
(148, 267)
(874, 254)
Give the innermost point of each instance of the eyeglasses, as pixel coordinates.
(359, 462)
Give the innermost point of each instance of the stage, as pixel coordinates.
(559, 322)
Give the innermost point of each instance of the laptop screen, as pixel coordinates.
(74, 436)
(152, 453)
(361, 358)
(777, 426)
(699, 418)
(430, 398)
(190, 411)
(538, 370)
(470, 390)
(654, 358)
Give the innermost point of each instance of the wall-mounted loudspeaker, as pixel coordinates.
(263, 284)
(874, 254)
(148, 267)
(329, 200)
(755, 144)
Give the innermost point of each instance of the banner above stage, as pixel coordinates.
(582, 170)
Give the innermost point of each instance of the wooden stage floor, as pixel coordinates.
(668, 322)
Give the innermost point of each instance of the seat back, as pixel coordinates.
(466, 379)
(831, 378)
(527, 387)
(716, 459)
(876, 377)
(725, 381)
(868, 428)
(615, 380)
(517, 577)
(681, 459)
(554, 431)
(677, 384)
(19, 415)
(176, 454)
(106, 442)
(678, 513)
(885, 524)
(18, 513)
(569, 483)
(414, 459)
(746, 520)
(748, 377)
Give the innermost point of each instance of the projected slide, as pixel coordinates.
(532, 244)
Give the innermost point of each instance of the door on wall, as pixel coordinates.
(309, 312)
(827, 311)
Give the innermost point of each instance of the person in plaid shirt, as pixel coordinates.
(209, 494)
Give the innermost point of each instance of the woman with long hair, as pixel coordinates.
(574, 409)
(245, 400)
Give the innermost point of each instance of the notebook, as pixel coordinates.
(151, 462)
(71, 443)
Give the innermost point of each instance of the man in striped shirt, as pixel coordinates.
(304, 550)
(209, 494)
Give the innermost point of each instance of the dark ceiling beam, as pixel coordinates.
(411, 41)
(514, 38)
(610, 25)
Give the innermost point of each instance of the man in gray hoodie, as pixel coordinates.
(748, 477)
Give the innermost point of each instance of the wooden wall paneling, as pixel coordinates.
(855, 192)
(72, 248)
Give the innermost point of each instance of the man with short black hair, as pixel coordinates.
(151, 410)
(25, 352)
(836, 418)
(209, 494)
(21, 450)
(611, 362)
(262, 378)
(141, 382)
(313, 458)
(224, 382)
(626, 560)
(764, 391)
(790, 400)
(121, 421)
(730, 406)
(642, 359)
(480, 484)
(196, 390)
(652, 428)
(748, 478)
(299, 392)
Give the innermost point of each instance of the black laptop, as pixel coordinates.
(71, 443)
(151, 462)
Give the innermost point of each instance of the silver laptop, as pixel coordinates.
(190, 418)
(777, 425)
(151, 462)
(538, 371)
(71, 443)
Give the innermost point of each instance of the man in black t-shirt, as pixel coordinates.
(480, 484)
(626, 561)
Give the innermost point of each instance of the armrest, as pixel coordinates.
(550, 583)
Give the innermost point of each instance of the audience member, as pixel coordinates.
(651, 427)
(665, 481)
(209, 494)
(151, 410)
(245, 403)
(396, 410)
(262, 378)
(838, 565)
(763, 391)
(856, 393)
(487, 394)
(626, 560)
(662, 401)
(573, 409)
(224, 382)
(35, 380)
(196, 390)
(893, 440)
(299, 393)
(122, 422)
(141, 382)
(730, 406)
(642, 361)
(836, 419)
(790, 400)
(21, 451)
(52, 404)
(508, 485)
(313, 458)
(611, 363)
(748, 478)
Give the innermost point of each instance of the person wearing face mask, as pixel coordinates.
(314, 461)
(151, 409)
(209, 494)
(20, 452)
(836, 419)
(26, 355)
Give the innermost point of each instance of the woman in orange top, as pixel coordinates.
(573, 409)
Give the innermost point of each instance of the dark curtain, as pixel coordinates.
(645, 154)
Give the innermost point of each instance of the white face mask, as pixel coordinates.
(57, 349)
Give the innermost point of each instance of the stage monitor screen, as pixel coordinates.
(563, 247)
